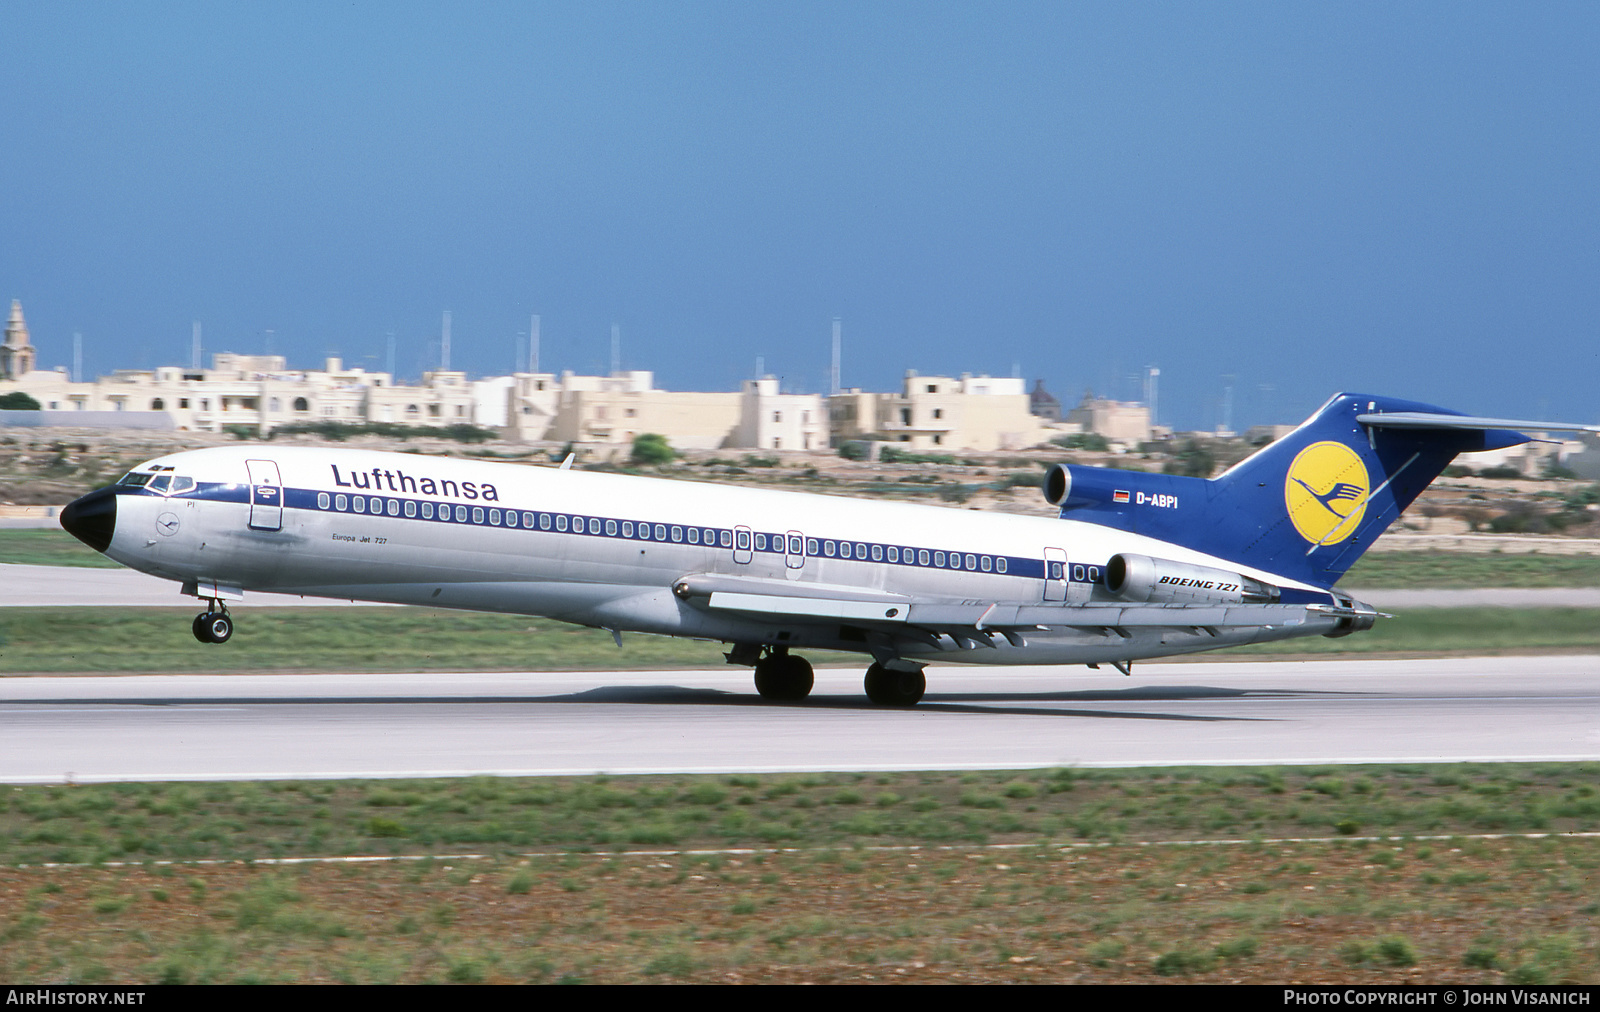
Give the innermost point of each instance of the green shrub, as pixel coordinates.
(650, 449)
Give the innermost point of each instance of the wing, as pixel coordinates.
(968, 624)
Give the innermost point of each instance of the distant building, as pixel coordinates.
(618, 408)
(1582, 456)
(257, 391)
(940, 412)
(1043, 404)
(1118, 421)
(16, 354)
(771, 420)
(1261, 435)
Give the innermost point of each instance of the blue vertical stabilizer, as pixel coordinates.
(1306, 506)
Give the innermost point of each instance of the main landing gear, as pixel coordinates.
(786, 678)
(214, 625)
(783, 676)
(888, 687)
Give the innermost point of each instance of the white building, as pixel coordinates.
(942, 413)
(259, 392)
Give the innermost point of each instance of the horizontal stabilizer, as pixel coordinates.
(1430, 420)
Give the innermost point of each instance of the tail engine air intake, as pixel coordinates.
(1158, 581)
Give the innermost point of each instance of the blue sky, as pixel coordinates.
(1394, 198)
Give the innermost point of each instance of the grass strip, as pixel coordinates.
(1466, 570)
(1515, 911)
(282, 819)
(47, 547)
(159, 641)
(152, 640)
(1450, 631)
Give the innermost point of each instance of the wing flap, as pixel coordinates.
(809, 607)
(969, 619)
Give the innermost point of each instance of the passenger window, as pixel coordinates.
(1000, 565)
(938, 559)
(744, 541)
(877, 553)
(360, 504)
(411, 507)
(922, 556)
(661, 532)
(727, 539)
(611, 528)
(527, 520)
(561, 522)
(461, 514)
(811, 547)
(627, 528)
(972, 561)
(477, 514)
(494, 518)
(987, 563)
(594, 525)
(827, 549)
(694, 535)
(677, 534)
(761, 542)
(861, 552)
(794, 545)
(394, 507)
(324, 500)
(427, 511)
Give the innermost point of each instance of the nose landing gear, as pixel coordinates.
(214, 625)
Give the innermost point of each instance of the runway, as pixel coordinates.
(318, 726)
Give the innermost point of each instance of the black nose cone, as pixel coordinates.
(93, 518)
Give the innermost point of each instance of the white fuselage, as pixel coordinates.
(624, 553)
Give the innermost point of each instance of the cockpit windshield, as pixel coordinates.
(166, 484)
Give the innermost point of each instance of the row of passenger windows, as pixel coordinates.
(559, 522)
(564, 523)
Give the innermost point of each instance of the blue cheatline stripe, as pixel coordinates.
(616, 528)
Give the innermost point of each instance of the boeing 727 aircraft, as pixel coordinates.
(1136, 566)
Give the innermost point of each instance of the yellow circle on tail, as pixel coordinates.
(1326, 492)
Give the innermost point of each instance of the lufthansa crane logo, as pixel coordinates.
(1326, 492)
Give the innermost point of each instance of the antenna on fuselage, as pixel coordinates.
(566, 465)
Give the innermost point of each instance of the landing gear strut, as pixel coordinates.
(888, 687)
(214, 625)
(782, 676)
